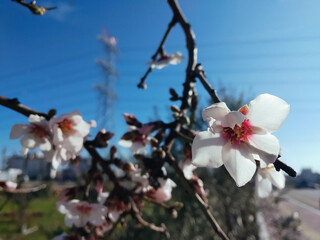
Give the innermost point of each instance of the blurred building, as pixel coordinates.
(306, 179)
(33, 165)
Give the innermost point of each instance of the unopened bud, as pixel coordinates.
(174, 213)
(175, 108)
(102, 138)
(113, 151)
(127, 136)
(174, 95)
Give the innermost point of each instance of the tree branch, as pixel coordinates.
(15, 105)
(202, 77)
(203, 206)
(159, 51)
(136, 215)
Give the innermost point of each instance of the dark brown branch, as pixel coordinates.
(199, 72)
(136, 215)
(159, 51)
(203, 206)
(192, 53)
(281, 165)
(15, 105)
(104, 164)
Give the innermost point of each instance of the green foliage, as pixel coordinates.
(33, 210)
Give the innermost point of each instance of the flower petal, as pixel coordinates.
(277, 178)
(266, 146)
(125, 143)
(268, 112)
(263, 187)
(233, 118)
(18, 130)
(207, 150)
(28, 141)
(216, 111)
(239, 162)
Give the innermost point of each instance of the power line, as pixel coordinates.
(124, 49)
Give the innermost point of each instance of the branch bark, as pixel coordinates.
(159, 51)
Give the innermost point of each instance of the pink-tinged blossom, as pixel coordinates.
(165, 60)
(69, 131)
(187, 167)
(33, 135)
(267, 177)
(115, 207)
(8, 186)
(197, 183)
(79, 213)
(98, 182)
(138, 136)
(162, 193)
(236, 139)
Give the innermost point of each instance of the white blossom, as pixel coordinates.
(79, 213)
(69, 131)
(236, 139)
(267, 177)
(33, 135)
(165, 60)
(162, 193)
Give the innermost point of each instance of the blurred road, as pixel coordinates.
(306, 203)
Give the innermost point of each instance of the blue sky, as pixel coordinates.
(249, 45)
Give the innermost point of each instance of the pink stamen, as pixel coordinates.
(239, 133)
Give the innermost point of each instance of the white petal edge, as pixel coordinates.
(216, 111)
(266, 146)
(207, 150)
(277, 178)
(239, 162)
(263, 187)
(268, 112)
(18, 130)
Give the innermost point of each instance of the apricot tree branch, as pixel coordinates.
(15, 105)
(200, 74)
(203, 206)
(159, 51)
(136, 215)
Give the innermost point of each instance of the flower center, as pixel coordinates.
(238, 133)
(38, 131)
(84, 209)
(66, 126)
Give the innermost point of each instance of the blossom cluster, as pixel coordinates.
(60, 139)
(237, 139)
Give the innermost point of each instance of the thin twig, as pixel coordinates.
(105, 165)
(136, 215)
(202, 77)
(203, 206)
(159, 51)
